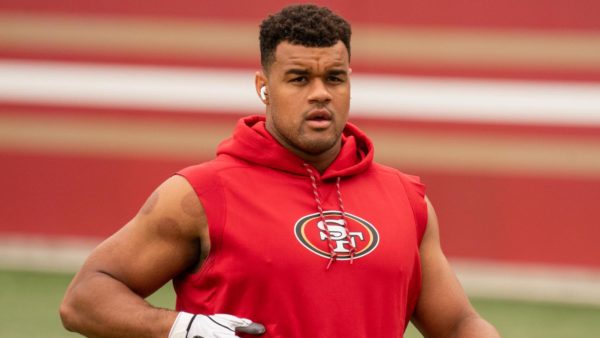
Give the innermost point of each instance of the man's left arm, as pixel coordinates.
(443, 309)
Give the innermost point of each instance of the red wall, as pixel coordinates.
(510, 213)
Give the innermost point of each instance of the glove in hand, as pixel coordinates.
(219, 325)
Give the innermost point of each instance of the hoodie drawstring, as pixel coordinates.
(332, 254)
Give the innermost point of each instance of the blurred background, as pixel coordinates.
(495, 104)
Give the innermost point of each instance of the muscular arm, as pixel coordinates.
(167, 237)
(443, 309)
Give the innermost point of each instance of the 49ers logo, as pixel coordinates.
(311, 233)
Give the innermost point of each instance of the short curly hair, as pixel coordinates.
(306, 25)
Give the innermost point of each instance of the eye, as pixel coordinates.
(335, 79)
(299, 79)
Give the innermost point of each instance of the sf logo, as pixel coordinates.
(312, 232)
(339, 235)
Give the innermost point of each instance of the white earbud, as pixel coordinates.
(263, 93)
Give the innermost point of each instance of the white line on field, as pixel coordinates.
(479, 278)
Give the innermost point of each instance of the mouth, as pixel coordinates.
(319, 115)
(319, 118)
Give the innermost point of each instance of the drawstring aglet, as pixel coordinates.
(332, 258)
(329, 264)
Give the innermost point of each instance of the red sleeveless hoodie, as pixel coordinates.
(275, 222)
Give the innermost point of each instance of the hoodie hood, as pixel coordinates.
(252, 142)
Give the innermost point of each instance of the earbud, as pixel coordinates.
(263, 93)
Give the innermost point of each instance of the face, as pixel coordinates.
(308, 98)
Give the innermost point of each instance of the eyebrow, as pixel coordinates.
(300, 71)
(338, 72)
(297, 71)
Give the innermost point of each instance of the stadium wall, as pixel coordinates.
(495, 104)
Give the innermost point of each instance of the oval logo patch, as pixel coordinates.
(311, 233)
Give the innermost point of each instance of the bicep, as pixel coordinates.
(160, 242)
(442, 301)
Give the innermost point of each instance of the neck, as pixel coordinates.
(321, 161)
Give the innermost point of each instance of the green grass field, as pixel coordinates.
(29, 308)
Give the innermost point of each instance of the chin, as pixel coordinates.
(317, 147)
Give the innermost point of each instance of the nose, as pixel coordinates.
(319, 93)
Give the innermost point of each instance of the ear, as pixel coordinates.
(260, 84)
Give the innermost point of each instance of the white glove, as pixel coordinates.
(220, 325)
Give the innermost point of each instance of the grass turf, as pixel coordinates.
(29, 307)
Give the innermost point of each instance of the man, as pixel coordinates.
(292, 225)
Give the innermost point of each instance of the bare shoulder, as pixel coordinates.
(166, 238)
(432, 231)
(172, 210)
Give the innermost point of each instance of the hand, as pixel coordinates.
(188, 325)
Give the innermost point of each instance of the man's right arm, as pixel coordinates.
(167, 237)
